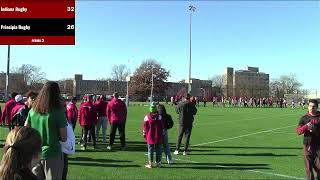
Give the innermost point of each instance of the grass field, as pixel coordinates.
(226, 143)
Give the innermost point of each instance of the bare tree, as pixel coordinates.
(119, 72)
(286, 84)
(217, 81)
(289, 83)
(32, 74)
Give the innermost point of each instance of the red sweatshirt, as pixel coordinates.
(87, 114)
(153, 128)
(6, 114)
(16, 108)
(116, 111)
(101, 106)
(72, 112)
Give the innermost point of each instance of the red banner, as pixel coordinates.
(48, 9)
(37, 40)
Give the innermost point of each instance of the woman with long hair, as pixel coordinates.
(48, 117)
(22, 149)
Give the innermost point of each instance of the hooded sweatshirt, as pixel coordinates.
(87, 114)
(116, 111)
(6, 114)
(72, 112)
(153, 128)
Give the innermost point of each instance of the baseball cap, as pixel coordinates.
(18, 98)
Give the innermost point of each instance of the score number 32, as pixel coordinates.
(70, 9)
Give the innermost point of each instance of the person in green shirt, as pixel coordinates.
(47, 116)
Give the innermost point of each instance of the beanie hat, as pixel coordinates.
(153, 107)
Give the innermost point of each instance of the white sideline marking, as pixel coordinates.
(245, 135)
(255, 171)
(250, 119)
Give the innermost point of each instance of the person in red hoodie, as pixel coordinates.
(18, 113)
(117, 116)
(6, 114)
(101, 106)
(87, 120)
(72, 112)
(153, 134)
(309, 126)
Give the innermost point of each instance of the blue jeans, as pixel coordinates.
(102, 122)
(166, 147)
(151, 148)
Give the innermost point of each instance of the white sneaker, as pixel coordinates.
(109, 148)
(176, 152)
(185, 153)
(170, 162)
(148, 166)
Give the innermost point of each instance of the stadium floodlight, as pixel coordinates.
(7, 75)
(128, 78)
(191, 9)
(151, 96)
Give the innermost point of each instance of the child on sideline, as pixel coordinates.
(21, 152)
(68, 148)
(167, 124)
(153, 134)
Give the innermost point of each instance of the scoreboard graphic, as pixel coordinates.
(37, 22)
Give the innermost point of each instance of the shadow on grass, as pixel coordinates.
(95, 160)
(254, 154)
(246, 147)
(100, 164)
(201, 150)
(221, 166)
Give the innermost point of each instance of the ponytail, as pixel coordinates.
(21, 145)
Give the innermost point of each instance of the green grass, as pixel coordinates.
(237, 143)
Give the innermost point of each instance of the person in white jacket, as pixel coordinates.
(68, 148)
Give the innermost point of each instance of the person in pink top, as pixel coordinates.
(72, 112)
(153, 134)
(18, 112)
(6, 113)
(101, 106)
(117, 116)
(87, 120)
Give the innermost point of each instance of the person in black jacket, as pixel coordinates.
(167, 124)
(309, 126)
(186, 110)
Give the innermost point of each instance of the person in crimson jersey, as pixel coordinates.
(117, 116)
(18, 113)
(72, 112)
(8, 106)
(309, 126)
(87, 120)
(101, 106)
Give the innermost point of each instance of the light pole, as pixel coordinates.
(151, 96)
(7, 75)
(191, 9)
(127, 97)
(204, 92)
